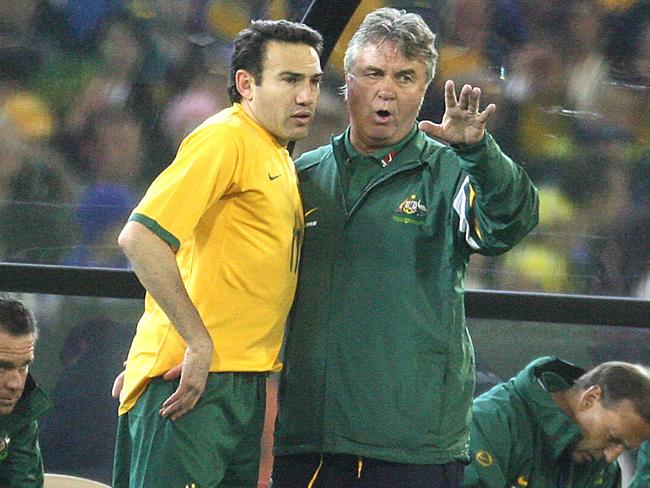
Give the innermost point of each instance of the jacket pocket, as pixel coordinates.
(430, 394)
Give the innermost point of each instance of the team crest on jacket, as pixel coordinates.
(4, 447)
(484, 458)
(411, 211)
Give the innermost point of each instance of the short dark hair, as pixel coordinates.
(620, 381)
(250, 47)
(15, 319)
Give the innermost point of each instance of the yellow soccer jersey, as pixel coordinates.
(229, 205)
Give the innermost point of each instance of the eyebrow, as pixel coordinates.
(406, 72)
(300, 75)
(9, 364)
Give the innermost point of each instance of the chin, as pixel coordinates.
(6, 410)
(297, 135)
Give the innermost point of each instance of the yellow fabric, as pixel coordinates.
(230, 199)
(316, 473)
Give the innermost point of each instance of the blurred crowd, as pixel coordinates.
(95, 96)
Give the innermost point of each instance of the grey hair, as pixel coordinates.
(408, 31)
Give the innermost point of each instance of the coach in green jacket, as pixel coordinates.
(21, 401)
(555, 426)
(642, 475)
(379, 365)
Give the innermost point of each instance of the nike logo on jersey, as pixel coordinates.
(272, 177)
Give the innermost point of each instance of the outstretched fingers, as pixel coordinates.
(450, 95)
(485, 114)
(464, 100)
(474, 100)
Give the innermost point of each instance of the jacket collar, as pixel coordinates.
(33, 403)
(537, 381)
(412, 151)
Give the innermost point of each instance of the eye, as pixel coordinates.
(613, 440)
(374, 75)
(292, 80)
(405, 78)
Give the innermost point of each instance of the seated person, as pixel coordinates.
(642, 476)
(555, 425)
(21, 401)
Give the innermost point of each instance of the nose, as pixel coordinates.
(386, 89)
(13, 380)
(612, 453)
(308, 94)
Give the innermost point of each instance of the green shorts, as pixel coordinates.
(216, 444)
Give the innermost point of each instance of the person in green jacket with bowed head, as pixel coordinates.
(642, 475)
(21, 401)
(379, 366)
(556, 426)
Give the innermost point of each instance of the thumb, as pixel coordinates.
(431, 129)
(118, 384)
(173, 373)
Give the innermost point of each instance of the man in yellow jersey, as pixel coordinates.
(215, 241)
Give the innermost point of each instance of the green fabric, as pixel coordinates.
(216, 444)
(378, 362)
(642, 475)
(21, 463)
(520, 437)
(362, 169)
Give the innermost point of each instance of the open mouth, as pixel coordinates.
(382, 116)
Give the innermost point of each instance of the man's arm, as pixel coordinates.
(154, 263)
(23, 467)
(497, 203)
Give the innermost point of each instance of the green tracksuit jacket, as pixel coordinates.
(378, 362)
(642, 474)
(521, 438)
(21, 465)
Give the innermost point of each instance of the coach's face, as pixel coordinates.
(16, 354)
(385, 90)
(284, 100)
(607, 431)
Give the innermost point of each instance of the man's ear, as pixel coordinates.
(589, 397)
(245, 83)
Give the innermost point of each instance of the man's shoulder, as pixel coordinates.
(314, 156)
(429, 147)
(228, 123)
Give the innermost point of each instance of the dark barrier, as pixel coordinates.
(533, 307)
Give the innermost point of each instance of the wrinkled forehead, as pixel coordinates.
(16, 349)
(385, 54)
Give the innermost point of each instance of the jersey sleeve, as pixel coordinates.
(205, 169)
(496, 201)
(23, 467)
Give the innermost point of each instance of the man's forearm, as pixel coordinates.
(154, 263)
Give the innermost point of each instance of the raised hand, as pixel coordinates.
(462, 123)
